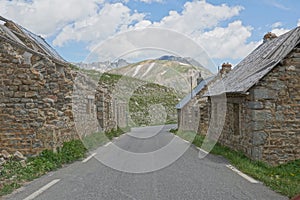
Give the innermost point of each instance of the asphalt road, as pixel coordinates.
(147, 163)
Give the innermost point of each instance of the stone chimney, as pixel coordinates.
(269, 36)
(226, 68)
(199, 79)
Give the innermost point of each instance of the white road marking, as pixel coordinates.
(108, 144)
(248, 178)
(41, 190)
(202, 150)
(186, 141)
(88, 158)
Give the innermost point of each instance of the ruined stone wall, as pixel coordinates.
(189, 116)
(84, 108)
(195, 115)
(35, 101)
(265, 124)
(204, 110)
(111, 113)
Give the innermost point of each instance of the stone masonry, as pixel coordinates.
(35, 103)
(265, 124)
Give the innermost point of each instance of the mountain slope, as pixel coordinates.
(171, 72)
(149, 103)
(102, 66)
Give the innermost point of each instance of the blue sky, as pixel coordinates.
(226, 30)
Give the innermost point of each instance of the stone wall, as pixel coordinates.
(265, 124)
(35, 101)
(235, 129)
(274, 107)
(194, 116)
(111, 112)
(84, 106)
(188, 116)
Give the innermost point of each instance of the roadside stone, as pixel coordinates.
(2, 161)
(19, 156)
(5, 154)
(23, 163)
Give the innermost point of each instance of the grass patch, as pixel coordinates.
(284, 179)
(144, 97)
(13, 175)
(96, 140)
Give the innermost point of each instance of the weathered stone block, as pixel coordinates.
(280, 116)
(19, 94)
(261, 115)
(256, 153)
(255, 105)
(259, 138)
(31, 94)
(264, 93)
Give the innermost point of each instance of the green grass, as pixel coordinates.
(13, 175)
(284, 179)
(153, 94)
(143, 97)
(96, 140)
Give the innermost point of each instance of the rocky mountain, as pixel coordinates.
(186, 60)
(102, 66)
(170, 71)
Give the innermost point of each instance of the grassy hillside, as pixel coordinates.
(150, 103)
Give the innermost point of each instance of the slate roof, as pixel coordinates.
(195, 91)
(19, 35)
(256, 65)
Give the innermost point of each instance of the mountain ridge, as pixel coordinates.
(172, 72)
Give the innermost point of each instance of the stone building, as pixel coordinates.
(43, 102)
(192, 109)
(83, 105)
(111, 112)
(262, 108)
(35, 93)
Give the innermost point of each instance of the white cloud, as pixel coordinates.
(194, 22)
(110, 20)
(200, 21)
(228, 42)
(94, 21)
(132, 45)
(276, 25)
(151, 1)
(197, 16)
(298, 24)
(46, 17)
(278, 5)
(279, 31)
